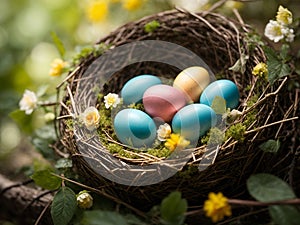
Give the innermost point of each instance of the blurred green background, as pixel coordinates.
(27, 50)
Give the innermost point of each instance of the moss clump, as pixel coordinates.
(159, 152)
(236, 131)
(214, 136)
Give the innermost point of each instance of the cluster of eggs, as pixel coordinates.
(186, 106)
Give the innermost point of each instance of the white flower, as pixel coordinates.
(190, 5)
(91, 118)
(111, 100)
(28, 102)
(275, 31)
(289, 35)
(84, 200)
(164, 131)
(284, 16)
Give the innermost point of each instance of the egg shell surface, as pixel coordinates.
(193, 121)
(163, 101)
(135, 128)
(192, 82)
(133, 90)
(223, 88)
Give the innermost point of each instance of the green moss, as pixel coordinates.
(236, 131)
(252, 100)
(159, 152)
(138, 106)
(214, 136)
(188, 172)
(70, 123)
(151, 26)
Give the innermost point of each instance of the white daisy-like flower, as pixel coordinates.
(275, 31)
(91, 118)
(284, 16)
(111, 100)
(164, 131)
(289, 35)
(28, 102)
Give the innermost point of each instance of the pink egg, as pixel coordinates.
(163, 101)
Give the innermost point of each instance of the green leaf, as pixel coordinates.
(63, 163)
(276, 66)
(173, 208)
(284, 214)
(284, 53)
(151, 26)
(58, 43)
(267, 188)
(270, 146)
(219, 105)
(22, 120)
(97, 217)
(63, 206)
(46, 180)
(240, 65)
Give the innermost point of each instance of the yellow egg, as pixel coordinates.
(192, 81)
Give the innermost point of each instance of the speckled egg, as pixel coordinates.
(193, 121)
(163, 101)
(135, 128)
(192, 82)
(133, 90)
(223, 88)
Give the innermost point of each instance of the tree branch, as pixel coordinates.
(22, 204)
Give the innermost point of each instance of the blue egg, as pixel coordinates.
(133, 90)
(223, 88)
(135, 128)
(193, 121)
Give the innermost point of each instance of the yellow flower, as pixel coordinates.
(260, 70)
(216, 207)
(176, 141)
(97, 11)
(284, 16)
(132, 5)
(111, 100)
(57, 67)
(91, 118)
(84, 200)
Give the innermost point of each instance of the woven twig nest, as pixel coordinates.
(220, 42)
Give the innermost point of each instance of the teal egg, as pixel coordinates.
(223, 88)
(135, 128)
(193, 121)
(133, 90)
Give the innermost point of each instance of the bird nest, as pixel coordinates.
(227, 50)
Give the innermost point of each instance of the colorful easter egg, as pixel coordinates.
(192, 82)
(193, 121)
(135, 128)
(163, 101)
(222, 88)
(133, 90)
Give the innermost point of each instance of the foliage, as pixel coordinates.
(63, 206)
(269, 188)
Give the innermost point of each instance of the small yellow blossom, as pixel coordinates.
(28, 102)
(217, 207)
(111, 100)
(176, 141)
(57, 67)
(260, 70)
(164, 132)
(84, 200)
(132, 5)
(284, 16)
(97, 11)
(91, 118)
